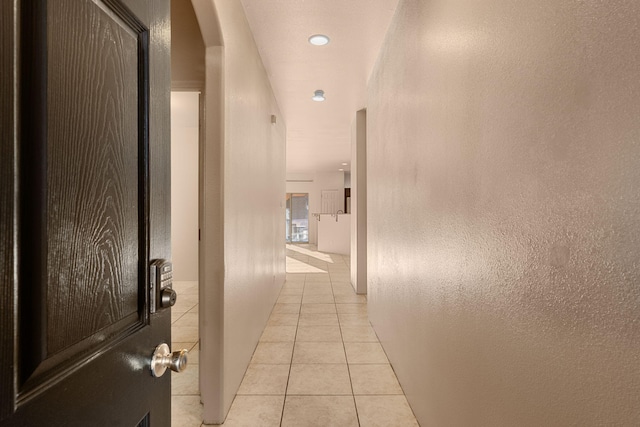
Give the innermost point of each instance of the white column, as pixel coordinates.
(359, 202)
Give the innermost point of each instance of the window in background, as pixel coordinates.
(297, 217)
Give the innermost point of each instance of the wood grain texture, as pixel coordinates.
(7, 156)
(92, 214)
(93, 258)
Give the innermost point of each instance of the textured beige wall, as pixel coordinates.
(254, 188)
(243, 259)
(504, 210)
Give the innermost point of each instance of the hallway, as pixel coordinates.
(318, 361)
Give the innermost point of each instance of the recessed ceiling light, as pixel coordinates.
(319, 40)
(345, 164)
(341, 170)
(318, 95)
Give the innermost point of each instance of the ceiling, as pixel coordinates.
(319, 133)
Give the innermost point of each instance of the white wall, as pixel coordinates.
(313, 184)
(503, 208)
(254, 188)
(184, 185)
(244, 194)
(334, 234)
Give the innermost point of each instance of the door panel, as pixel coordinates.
(88, 152)
(329, 201)
(94, 200)
(96, 250)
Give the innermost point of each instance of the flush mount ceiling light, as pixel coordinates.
(344, 164)
(341, 170)
(318, 95)
(319, 40)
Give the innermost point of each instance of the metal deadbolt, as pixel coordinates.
(164, 359)
(168, 298)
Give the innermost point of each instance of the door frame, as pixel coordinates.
(210, 212)
(211, 253)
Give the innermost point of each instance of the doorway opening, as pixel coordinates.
(297, 218)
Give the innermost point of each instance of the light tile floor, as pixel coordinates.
(318, 362)
(186, 410)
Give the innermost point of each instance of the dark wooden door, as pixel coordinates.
(84, 209)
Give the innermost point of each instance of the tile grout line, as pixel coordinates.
(344, 349)
(307, 286)
(353, 396)
(295, 339)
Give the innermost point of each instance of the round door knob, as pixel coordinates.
(168, 298)
(164, 359)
